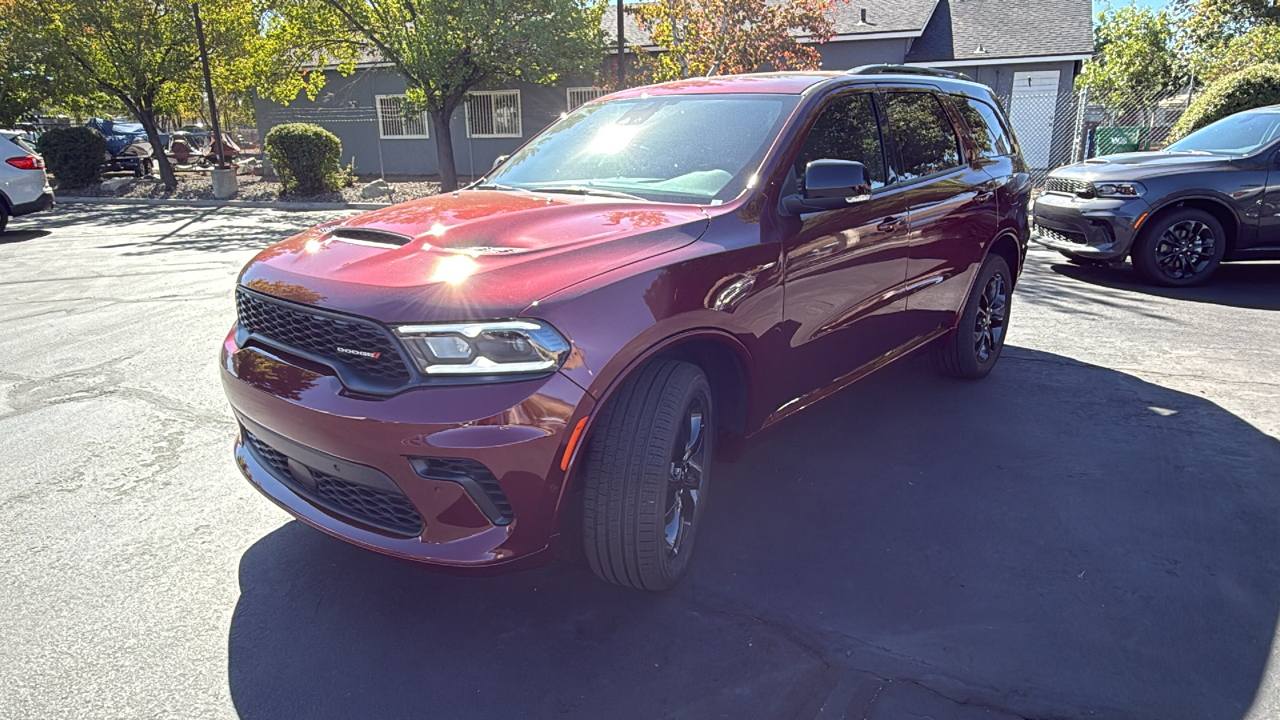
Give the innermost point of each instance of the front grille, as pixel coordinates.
(1060, 236)
(294, 326)
(475, 478)
(374, 506)
(1069, 186)
(378, 508)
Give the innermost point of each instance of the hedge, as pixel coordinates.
(73, 155)
(1253, 87)
(305, 157)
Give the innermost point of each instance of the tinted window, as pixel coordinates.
(985, 124)
(926, 141)
(846, 130)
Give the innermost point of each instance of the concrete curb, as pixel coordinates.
(220, 203)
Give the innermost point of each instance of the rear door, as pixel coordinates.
(951, 206)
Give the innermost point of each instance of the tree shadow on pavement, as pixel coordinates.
(1243, 285)
(157, 229)
(1061, 540)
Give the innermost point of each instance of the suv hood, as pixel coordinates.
(470, 255)
(1139, 165)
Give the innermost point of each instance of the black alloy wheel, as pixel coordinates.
(972, 349)
(1180, 249)
(645, 471)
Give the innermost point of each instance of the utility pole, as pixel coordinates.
(217, 147)
(622, 50)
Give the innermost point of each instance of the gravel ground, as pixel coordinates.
(193, 186)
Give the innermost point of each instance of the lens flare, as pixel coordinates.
(453, 269)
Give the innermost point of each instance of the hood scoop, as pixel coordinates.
(1095, 161)
(370, 236)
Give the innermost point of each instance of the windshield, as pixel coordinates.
(700, 149)
(1236, 135)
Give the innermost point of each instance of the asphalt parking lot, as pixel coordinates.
(1092, 532)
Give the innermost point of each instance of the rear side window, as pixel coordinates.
(846, 130)
(985, 124)
(23, 145)
(922, 131)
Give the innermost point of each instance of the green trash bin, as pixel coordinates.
(1122, 138)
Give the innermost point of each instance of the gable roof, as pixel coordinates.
(883, 16)
(978, 30)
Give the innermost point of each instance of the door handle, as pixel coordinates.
(889, 224)
(982, 197)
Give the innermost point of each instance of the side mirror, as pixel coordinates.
(829, 185)
(498, 161)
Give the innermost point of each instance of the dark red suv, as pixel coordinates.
(560, 349)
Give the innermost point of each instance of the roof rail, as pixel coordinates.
(908, 70)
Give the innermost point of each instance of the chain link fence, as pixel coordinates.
(1056, 129)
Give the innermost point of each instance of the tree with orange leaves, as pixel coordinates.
(723, 37)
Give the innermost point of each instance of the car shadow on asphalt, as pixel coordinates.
(17, 236)
(1060, 540)
(1242, 285)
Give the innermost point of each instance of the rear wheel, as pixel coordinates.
(645, 477)
(973, 349)
(4, 217)
(1181, 249)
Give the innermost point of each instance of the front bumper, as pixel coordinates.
(1097, 228)
(516, 433)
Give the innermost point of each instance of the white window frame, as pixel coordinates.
(382, 133)
(494, 121)
(594, 93)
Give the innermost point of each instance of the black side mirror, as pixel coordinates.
(829, 185)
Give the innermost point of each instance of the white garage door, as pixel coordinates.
(1031, 111)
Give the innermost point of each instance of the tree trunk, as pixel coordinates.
(444, 149)
(148, 119)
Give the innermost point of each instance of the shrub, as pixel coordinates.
(305, 157)
(73, 155)
(1250, 88)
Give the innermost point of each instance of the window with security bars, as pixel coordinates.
(493, 114)
(579, 95)
(393, 123)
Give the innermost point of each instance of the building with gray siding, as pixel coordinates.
(1028, 51)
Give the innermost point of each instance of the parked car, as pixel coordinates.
(559, 350)
(24, 187)
(1210, 197)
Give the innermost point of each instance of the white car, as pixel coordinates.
(24, 188)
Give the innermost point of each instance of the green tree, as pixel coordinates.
(1136, 55)
(29, 73)
(142, 54)
(442, 48)
(1220, 37)
(723, 37)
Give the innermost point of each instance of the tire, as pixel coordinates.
(645, 477)
(4, 217)
(1182, 249)
(972, 349)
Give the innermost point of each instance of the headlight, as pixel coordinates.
(485, 348)
(1124, 189)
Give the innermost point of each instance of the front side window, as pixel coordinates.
(847, 129)
(922, 131)
(985, 124)
(699, 149)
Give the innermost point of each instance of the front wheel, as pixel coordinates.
(974, 347)
(646, 472)
(1181, 249)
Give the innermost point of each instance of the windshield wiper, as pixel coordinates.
(584, 190)
(499, 186)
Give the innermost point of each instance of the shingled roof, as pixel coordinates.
(996, 29)
(883, 16)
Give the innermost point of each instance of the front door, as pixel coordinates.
(951, 208)
(843, 267)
